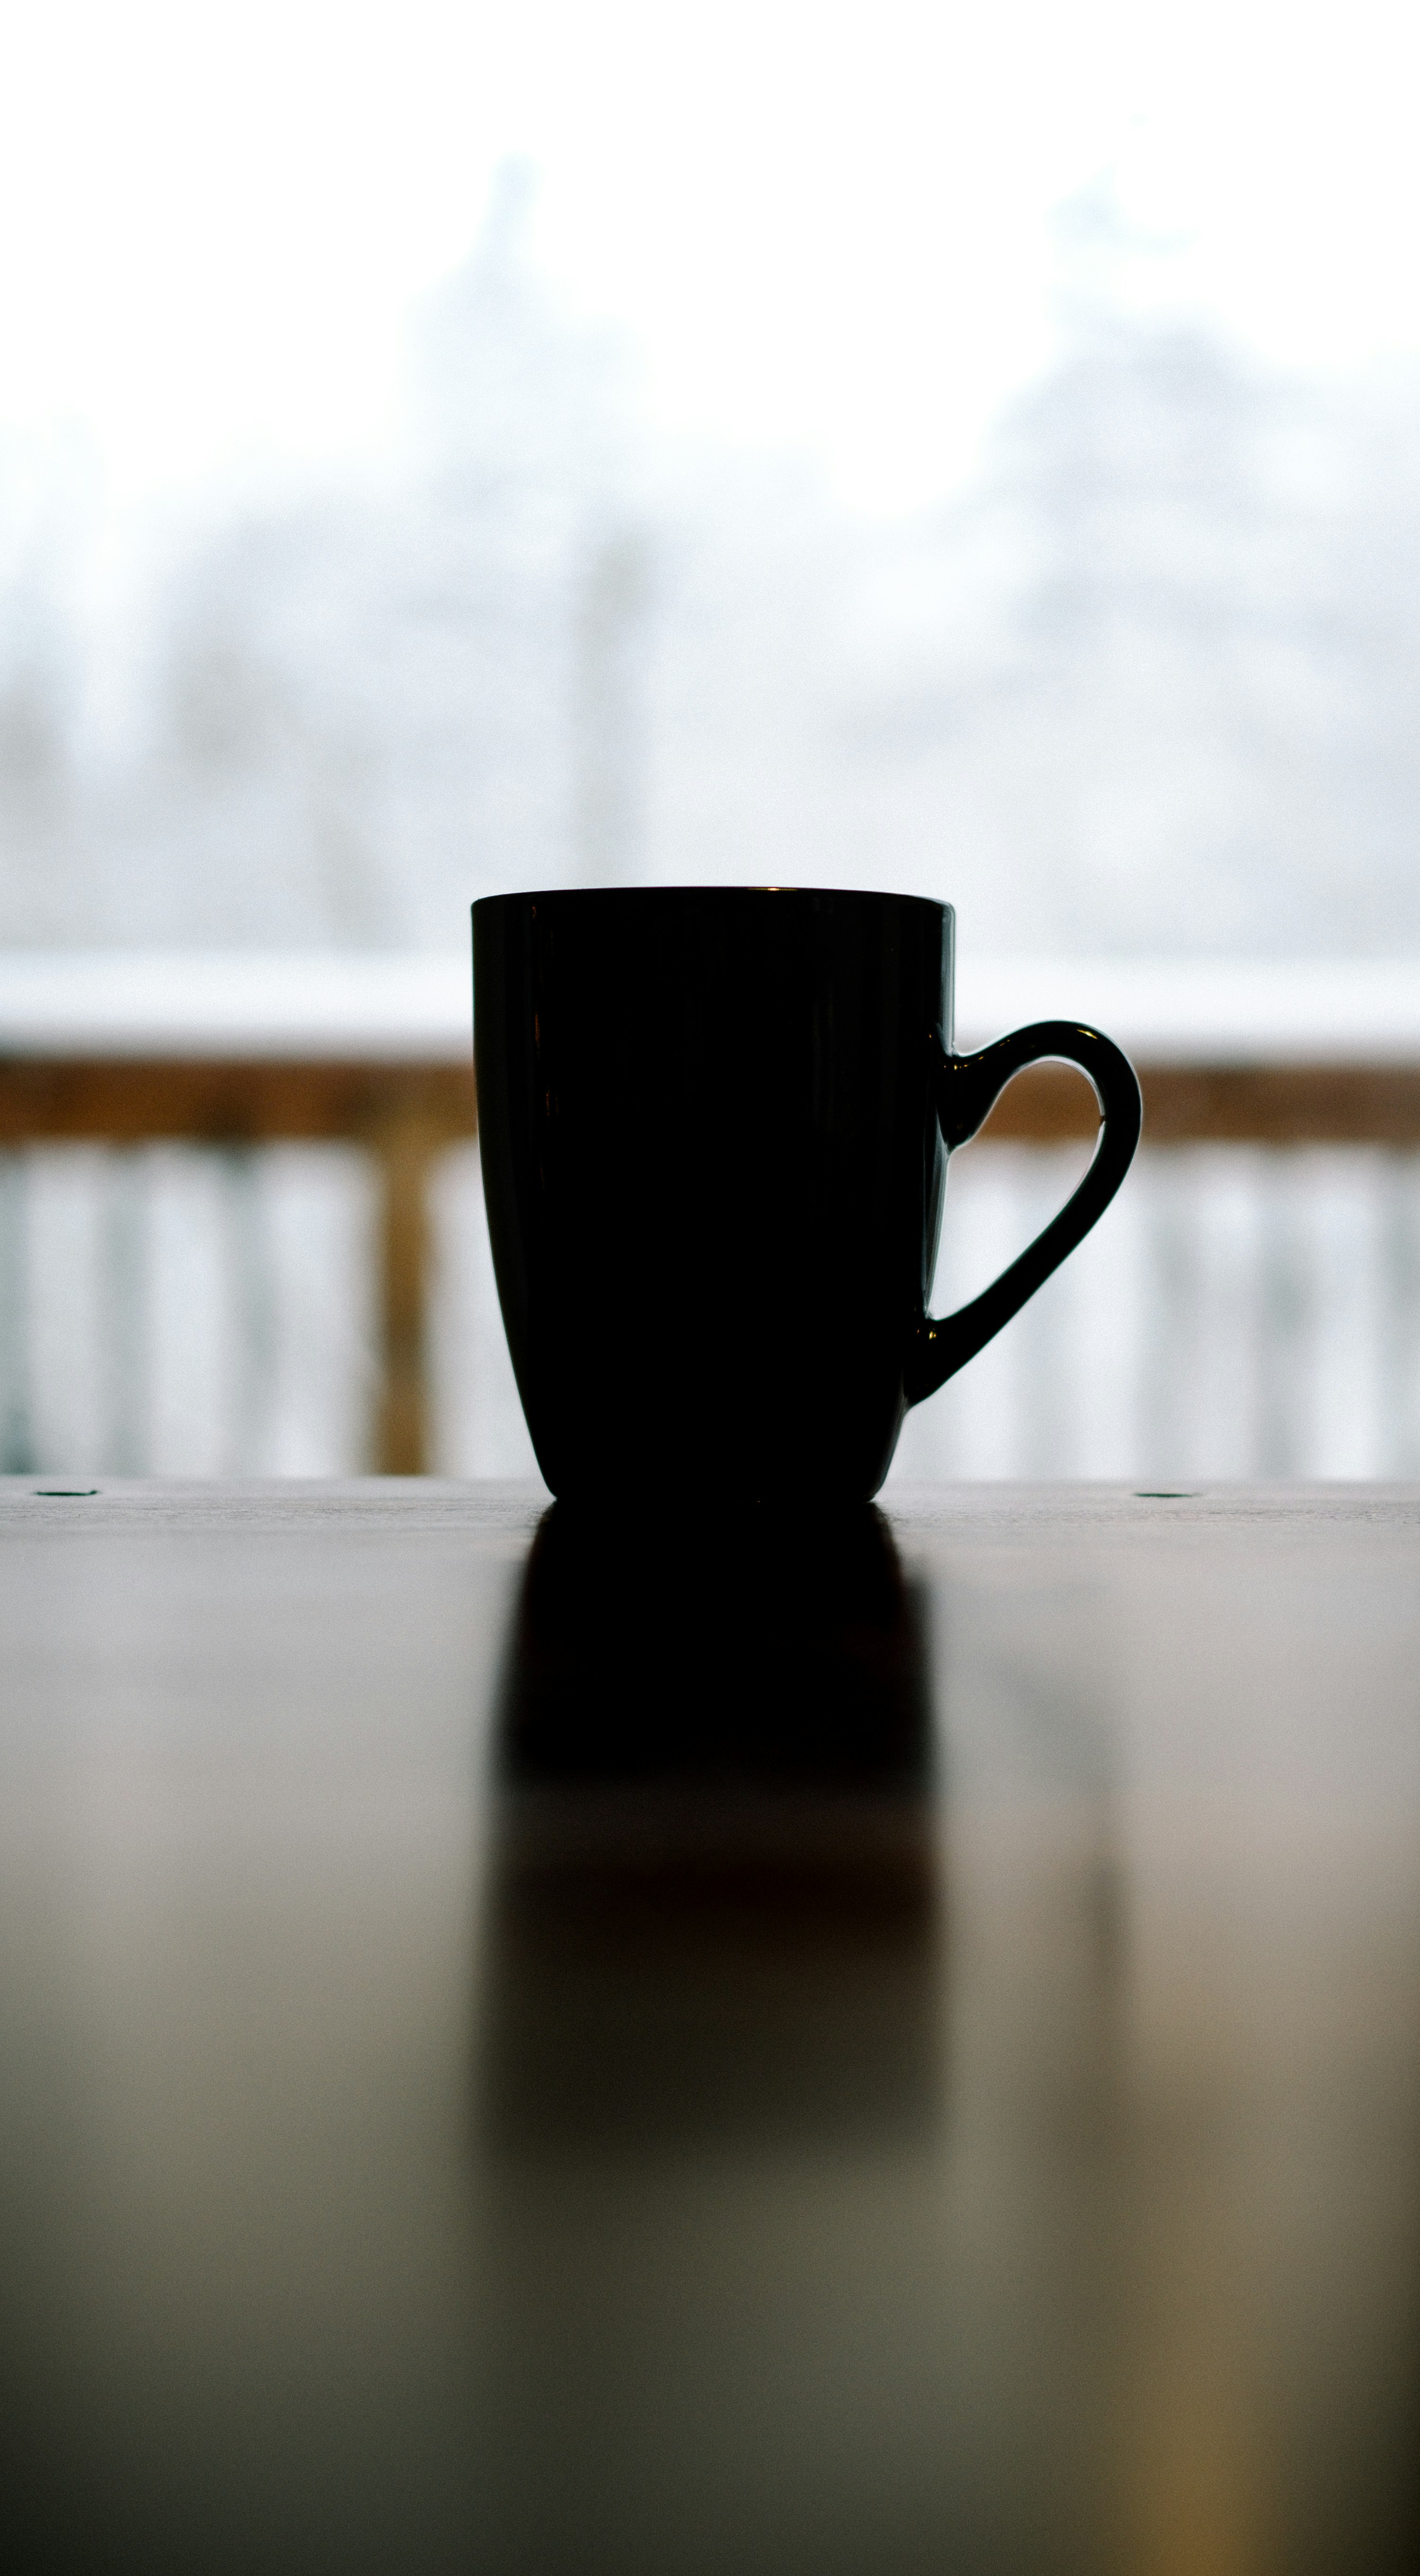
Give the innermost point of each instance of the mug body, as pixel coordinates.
(714, 1173)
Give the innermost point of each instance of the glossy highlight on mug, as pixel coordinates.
(715, 1138)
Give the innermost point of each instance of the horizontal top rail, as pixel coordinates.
(409, 1009)
(231, 1101)
(285, 1101)
(249, 1100)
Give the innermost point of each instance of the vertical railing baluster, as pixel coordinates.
(1172, 1300)
(405, 1147)
(253, 1306)
(17, 1446)
(1400, 1316)
(1048, 1366)
(1287, 1312)
(129, 1389)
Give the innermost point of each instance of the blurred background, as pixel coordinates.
(445, 449)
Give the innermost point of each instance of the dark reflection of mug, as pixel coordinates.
(713, 1915)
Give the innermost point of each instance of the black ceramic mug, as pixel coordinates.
(715, 1126)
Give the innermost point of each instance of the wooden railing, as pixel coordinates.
(237, 1053)
(404, 1115)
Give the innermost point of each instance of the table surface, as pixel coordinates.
(558, 2046)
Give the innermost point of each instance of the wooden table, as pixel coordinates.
(622, 2048)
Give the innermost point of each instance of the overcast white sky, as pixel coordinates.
(824, 225)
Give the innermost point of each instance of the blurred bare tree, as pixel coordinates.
(1146, 683)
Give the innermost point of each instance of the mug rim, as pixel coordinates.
(656, 893)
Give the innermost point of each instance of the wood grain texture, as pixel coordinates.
(243, 1101)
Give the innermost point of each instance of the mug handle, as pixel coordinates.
(967, 1087)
